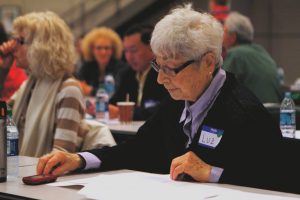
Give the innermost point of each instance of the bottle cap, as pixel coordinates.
(287, 94)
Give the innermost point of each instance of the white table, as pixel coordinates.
(116, 126)
(27, 168)
(126, 128)
(121, 131)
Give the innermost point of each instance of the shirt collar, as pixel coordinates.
(141, 76)
(206, 98)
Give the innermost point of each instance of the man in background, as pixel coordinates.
(139, 81)
(250, 62)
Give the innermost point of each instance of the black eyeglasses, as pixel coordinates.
(101, 48)
(169, 71)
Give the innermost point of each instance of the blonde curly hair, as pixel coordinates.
(102, 32)
(51, 51)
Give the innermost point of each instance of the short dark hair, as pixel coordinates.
(144, 29)
(221, 2)
(3, 34)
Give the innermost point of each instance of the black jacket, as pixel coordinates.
(250, 151)
(90, 73)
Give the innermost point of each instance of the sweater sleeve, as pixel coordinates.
(69, 114)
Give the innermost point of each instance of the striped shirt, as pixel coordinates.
(69, 129)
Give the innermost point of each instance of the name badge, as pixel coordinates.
(210, 137)
(150, 103)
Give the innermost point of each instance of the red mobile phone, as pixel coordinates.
(39, 179)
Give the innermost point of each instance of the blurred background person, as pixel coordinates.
(78, 47)
(139, 81)
(250, 62)
(219, 9)
(10, 80)
(49, 108)
(102, 51)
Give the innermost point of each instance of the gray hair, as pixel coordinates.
(51, 51)
(187, 34)
(241, 25)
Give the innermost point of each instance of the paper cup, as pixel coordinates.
(126, 111)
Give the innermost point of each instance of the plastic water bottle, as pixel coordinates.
(280, 74)
(102, 101)
(3, 156)
(12, 146)
(109, 85)
(288, 116)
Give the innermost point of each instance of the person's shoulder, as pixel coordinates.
(247, 49)
(120, 63)
(241, 49)
(71, 87)
(239, 96)
(127, 72)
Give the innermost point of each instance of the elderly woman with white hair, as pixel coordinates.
(212, 129)
(49, 107)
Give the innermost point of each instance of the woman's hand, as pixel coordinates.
(58, 163)
(192, 165)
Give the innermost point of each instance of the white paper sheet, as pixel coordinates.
(139, 185)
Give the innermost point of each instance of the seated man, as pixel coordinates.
(139, 81)
(249, 62)
(213, 129)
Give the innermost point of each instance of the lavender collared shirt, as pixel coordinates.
(197, 112)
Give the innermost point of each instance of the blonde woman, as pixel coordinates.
(48, 108)
(102, 51)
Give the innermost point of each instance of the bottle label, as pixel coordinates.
(12, 129)
(12, 147)
(3, 156)
(101, 106)
(287, 117)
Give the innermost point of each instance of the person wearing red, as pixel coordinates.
(13, 81)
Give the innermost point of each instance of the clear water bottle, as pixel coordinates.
(109, 85)
(288, 116)
(280, 74)
(12, 146)
(102, 101)
(3, 156)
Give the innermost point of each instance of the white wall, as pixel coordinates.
(58, 6)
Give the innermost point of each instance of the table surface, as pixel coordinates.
(126, 128)
(27, 168)
(115, 126)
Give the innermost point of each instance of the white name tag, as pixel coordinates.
(210, 137)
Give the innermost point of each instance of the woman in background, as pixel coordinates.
(49, 108)
(102, 50)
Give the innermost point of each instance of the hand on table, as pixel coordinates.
(57, 163)
(192, 165)
(113, 110)
(87, 89)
